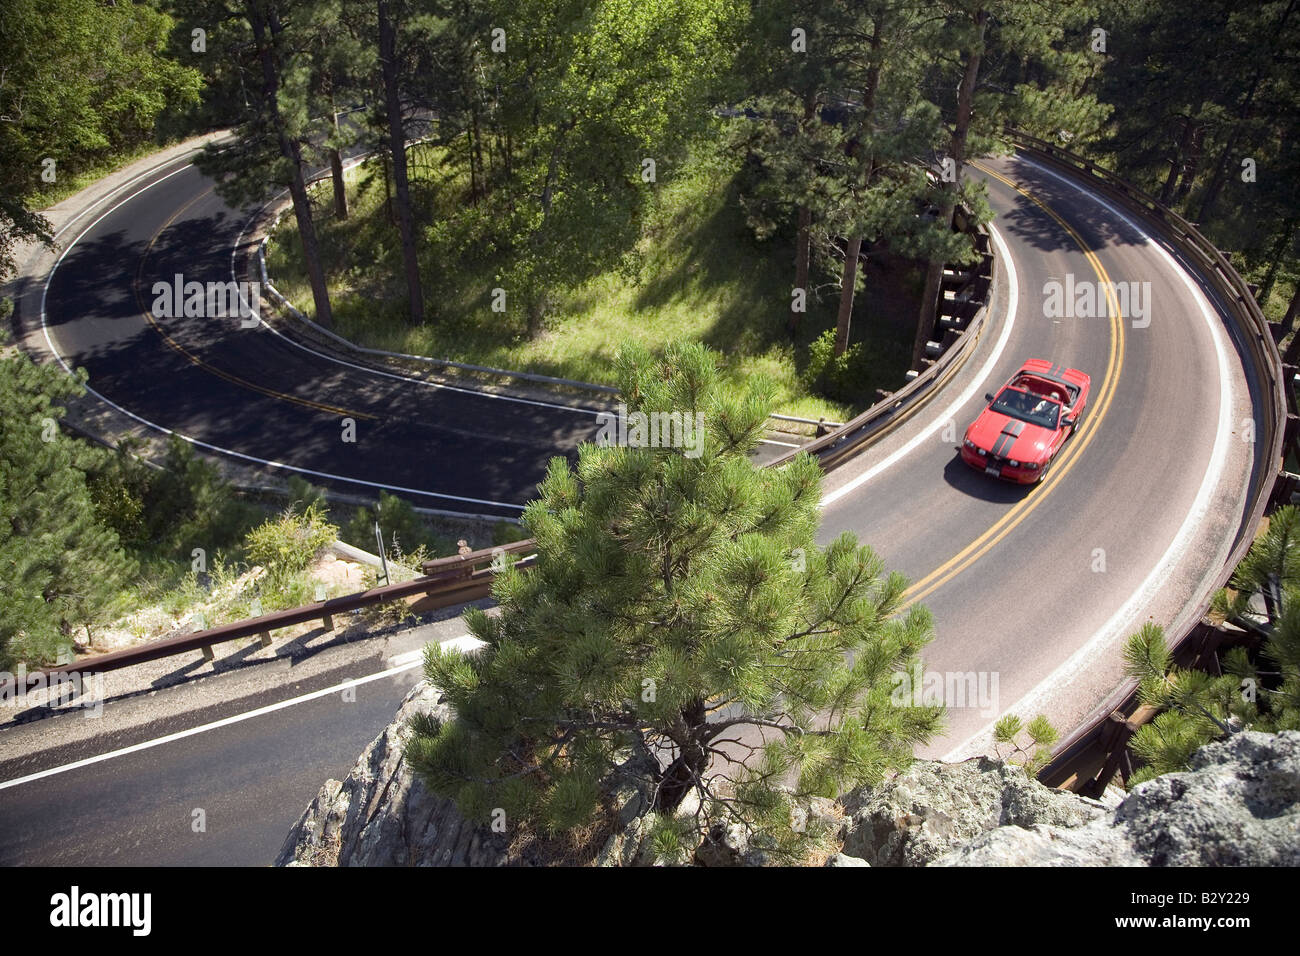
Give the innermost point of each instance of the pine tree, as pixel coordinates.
(60, 567)
(79, 81)
(1259, 693)
(679, 612)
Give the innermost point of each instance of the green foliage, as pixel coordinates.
(163, 514)
(61, 567)
(679, 603)
(82, 81)
(1196, 707)
(850, 377)
(286, 545)
(404, 530)
(1032, 753)
(1197, 90)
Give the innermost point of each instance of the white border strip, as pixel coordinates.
(215, 725)
(949, 413)
(1122, 620)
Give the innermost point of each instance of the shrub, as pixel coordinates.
(286, 545)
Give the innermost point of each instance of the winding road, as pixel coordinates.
(1032, 589)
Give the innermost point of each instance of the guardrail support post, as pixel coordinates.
(329, 622)
(264, 639)
(1117, 734)
(207, 653)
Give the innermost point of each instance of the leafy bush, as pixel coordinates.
(850, 377)
(167, 513)
(286, 545)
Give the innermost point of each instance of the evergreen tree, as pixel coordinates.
(679, 612)
(291, 130)
(1258, 693)
(79, 81)
(61, 568)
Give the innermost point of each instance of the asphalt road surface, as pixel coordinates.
(1032, 590)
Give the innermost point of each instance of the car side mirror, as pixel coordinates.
(1068, 422)
(988, 396)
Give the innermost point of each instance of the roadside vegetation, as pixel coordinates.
(696, 273)
(1251, 686)
(680, 626)
(99, 545)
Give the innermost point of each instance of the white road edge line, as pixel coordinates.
(204, 728)
(49, 341)
(950, 412)
(403, 662)
(1121, 620)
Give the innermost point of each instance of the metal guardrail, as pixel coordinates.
(461, 578)
(888, 413)
(1079, 759)
(446, 582)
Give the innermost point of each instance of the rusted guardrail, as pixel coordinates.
(446, 581)
(1080, 759)
(461, 578)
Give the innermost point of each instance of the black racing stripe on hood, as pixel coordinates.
(1007, 439)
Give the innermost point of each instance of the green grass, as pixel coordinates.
(696, 273)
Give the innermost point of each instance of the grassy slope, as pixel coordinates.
(696, 273)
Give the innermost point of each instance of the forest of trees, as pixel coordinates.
(555, 114)
(550, 108)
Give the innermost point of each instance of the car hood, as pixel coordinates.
(1011, 437)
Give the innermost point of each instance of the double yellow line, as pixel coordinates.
(211, 369)
(1066, 459)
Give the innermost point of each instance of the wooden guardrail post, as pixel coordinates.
(1115, 737)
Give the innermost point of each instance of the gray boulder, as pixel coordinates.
(934, 807)
(381, 815)
(1238, 805)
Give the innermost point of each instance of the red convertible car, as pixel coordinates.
(1027, 422)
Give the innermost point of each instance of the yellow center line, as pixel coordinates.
(1074, 448)
(194, 359)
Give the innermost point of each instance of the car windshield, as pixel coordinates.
(1028, 407)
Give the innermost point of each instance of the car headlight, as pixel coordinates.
(1031, 465)
(1013, 463)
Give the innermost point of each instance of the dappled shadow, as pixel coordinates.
(1098, 226)
(253, 392)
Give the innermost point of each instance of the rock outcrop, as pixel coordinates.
(933, 808)
(382, 816)
(1239, 805)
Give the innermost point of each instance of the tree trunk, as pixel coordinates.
(803, 239)
(802, 249)
(1275, 261)
(265, 22)
(691, 763)
(849, 280)
(397, 147)
(538, 303)
(1288, 321)
(1211, 197)
(336, 174)
(1176, 162)
(965, 110)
